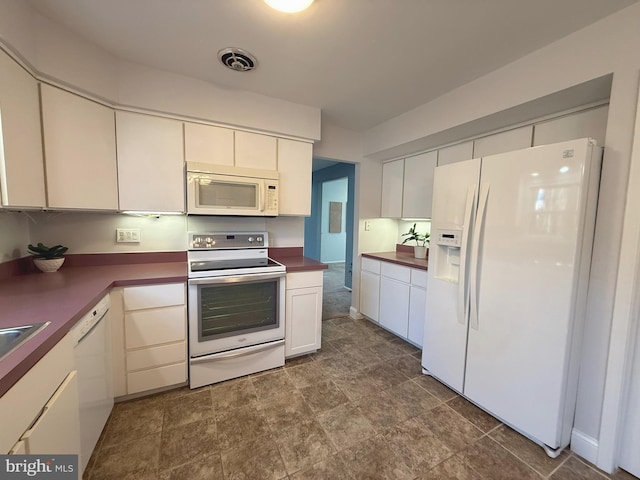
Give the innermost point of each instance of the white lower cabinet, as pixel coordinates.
(150, 338)
(394, 296)
(40, 414)
(417, 300)
(303, 312)
(57, 430)
(370, 288)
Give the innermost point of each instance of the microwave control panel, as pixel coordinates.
(271, 197)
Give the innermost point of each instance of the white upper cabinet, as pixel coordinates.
(418, 185)
(392, 187)
(407, 186)
(455, 153)
(208, 144)
(80, 151)
(294, 166)
(150, 163)
(508, 141)
(21, 164)
(589, 123)
(253, 150)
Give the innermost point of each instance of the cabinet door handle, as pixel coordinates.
(237, 353)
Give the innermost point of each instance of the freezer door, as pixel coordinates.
(531, 243)
(445, 328)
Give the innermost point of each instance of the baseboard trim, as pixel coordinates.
(355, 314)
(584, 446)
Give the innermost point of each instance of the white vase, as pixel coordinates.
(420, 252)
(48, 265)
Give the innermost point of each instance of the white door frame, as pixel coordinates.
(626, 314)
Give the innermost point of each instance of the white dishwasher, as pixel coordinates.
(92, 354)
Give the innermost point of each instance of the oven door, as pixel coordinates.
(231, 312)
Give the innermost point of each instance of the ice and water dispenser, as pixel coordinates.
(448, 242)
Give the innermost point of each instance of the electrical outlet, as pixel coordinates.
(367, 225)
(127, 235)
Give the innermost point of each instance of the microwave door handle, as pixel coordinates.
(261, 195)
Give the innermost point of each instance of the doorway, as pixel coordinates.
(328, 232)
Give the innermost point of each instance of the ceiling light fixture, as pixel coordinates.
(289, 6)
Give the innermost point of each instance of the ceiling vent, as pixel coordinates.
(237, 59)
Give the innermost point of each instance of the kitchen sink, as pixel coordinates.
(12, 337)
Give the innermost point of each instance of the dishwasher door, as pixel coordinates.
(92, 355)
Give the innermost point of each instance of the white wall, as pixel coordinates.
(63, 57)
(285, 231)
(333, 244)
(154, 89)
(14, 236)
(382, 236)
(609, 45)
(404, 226)
(96, 233)
(347, 145)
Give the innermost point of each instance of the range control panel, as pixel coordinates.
(219, 241)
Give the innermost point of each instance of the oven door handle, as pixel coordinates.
(237, 353)
(236, 278)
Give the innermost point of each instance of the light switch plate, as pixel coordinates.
(127, 235)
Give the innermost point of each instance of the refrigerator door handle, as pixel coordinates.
(463, 283)
(475, 250)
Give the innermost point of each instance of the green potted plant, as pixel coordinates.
(421, 239)
(47, 259)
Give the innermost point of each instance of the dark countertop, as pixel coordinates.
(293, 259)
(63, 297)
(401, 258)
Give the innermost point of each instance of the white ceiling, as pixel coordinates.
(361, 61)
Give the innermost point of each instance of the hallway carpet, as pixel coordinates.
(336, 299)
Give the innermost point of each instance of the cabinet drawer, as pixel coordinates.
(304, 279)
(156, 377)
(397, 272)
(153, 296)
(152, 327)
(419, 278)
(156, 356)
(370, 265)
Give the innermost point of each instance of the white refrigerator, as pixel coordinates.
(509, 261)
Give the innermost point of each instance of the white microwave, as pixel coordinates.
(225, 190)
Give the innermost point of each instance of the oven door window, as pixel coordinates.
(236, 308)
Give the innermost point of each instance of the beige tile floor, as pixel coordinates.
(358, 409)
